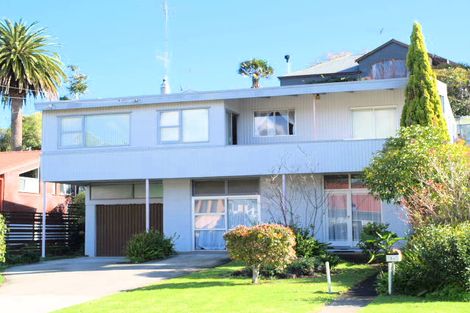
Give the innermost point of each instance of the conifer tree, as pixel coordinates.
(422, 102)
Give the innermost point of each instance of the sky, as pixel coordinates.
(117, 43)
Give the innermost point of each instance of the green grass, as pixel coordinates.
(214, 290)
(394, 304)
(2, 278)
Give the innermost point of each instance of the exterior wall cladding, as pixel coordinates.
(362, 70)
(323, 135)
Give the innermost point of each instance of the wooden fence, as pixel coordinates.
(64, 232)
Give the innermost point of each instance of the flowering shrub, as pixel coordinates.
(261, 245)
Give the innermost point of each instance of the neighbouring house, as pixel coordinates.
(21, 188)
(384, 62)
(196, 164)
(463, 128)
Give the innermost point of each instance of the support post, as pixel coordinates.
(44, 211)
(390, 277)
(147, 205)
(328, 276)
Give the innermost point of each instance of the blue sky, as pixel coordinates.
(116, 42)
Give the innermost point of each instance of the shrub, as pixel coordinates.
(148, 246)
(425, 181)
(3, 233)
(376, 241)
(261, 246)
(307, 247)
(436, 258)
(305, 266)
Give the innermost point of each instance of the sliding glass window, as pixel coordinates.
(184, 126)
(95, 130)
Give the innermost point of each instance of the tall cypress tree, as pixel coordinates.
(422, 102)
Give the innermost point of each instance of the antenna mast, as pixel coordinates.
(165, 86)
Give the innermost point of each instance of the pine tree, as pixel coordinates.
(422, 102)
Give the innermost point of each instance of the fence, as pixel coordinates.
(64, 232)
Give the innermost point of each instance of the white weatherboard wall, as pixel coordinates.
(209, 161)
(303, 212)
(90, 217)
(333, 117)
(177, 212)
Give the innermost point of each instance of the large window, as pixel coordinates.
(126, 191)
(190, 125)
(221, 205)
(374, 122)
(29, 181)
(274, 123)
(389, 69)
(95, 130)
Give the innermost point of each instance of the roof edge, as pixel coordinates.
(362, 85)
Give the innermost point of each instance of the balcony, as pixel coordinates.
(133, 163)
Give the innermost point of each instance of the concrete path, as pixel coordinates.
(354, 300)
(51, 285)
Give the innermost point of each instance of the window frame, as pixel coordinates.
(133, 192)
(373, 109)
(382, 62)
(58, 189)
(349, 192)
(294, 130)
(180, 126)
(225, 198)
(37, 181)
(83, 130)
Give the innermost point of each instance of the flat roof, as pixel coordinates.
(196, 96)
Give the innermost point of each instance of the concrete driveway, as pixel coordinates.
(51, 285)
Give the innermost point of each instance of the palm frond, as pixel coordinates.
(27, 65)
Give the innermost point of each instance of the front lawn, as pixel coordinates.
(214, 290)
(394, 304)
(2, 279)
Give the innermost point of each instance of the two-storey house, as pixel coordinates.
(197, 164)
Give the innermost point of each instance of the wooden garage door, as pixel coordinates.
(115, 225)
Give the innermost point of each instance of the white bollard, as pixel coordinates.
(328, 276)
(390, 277)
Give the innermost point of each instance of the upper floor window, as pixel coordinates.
(374, 122)
(95, 130)
(274, 123)
(29, 181)
(191, 125)
(389, 69)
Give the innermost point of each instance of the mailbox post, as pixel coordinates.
(391, 260)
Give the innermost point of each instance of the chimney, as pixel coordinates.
(164, 87)
(287, 58)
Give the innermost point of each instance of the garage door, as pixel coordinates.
(115, 225)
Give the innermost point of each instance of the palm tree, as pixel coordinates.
(255, 68)
(27, 68)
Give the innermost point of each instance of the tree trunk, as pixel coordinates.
(255, 278)
(16, 124)
(254, 82)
